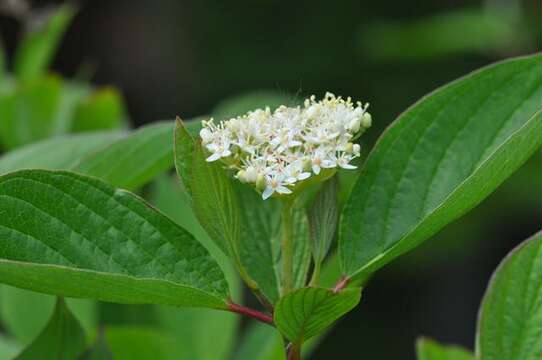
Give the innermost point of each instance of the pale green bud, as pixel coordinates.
(251, 174)
(241, 175)
(260, 182)
(307, 164)
(366, 120)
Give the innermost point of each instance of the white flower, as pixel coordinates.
(294, 172)
(343, 161)
(219, 150)
(276, 150)
(275, 184)
(318, 158)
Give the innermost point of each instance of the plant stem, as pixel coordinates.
(239, 309)
(287, 248)
(263, 300)
(293, 351)
(315, 274)
(341, 284)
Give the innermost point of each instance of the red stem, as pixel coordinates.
(255, 314)
(341, 284)
(293, 351)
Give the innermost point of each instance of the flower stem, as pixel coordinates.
(287, 249)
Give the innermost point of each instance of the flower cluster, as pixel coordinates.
(276, 150)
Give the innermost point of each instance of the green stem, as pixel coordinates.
(315, 274)
(287, 249)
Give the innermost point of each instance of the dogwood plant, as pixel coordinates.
(268, 189)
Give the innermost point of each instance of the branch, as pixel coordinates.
(255, 314)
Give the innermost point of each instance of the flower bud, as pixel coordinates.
(307, 164)
(241, 175)
(349, 148)
(366, 120)
(251, 174)
(356, 148)
(354, 125)
(260, 182)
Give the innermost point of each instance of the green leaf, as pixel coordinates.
(102, 110)
(510, 319)
(9, 348)
(261, 342)
(29, 112)
(441, 158)
(302, 251)
(193, 126)
(63, 338)
(307, 312)
(427, 349)
(184, 145)
(192, 328)
(323, 217)
(134, 160)
(169, 198)
(72, 93)
(99, 243)
(61, 152)
(260, 231)
(35, 52)
(216, 206)
(142, 344)
(24, 313)
(265, 343)
(99, 350)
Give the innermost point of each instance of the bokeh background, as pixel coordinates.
(181, 57)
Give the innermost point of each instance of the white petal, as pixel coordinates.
(267, 193)
(328, 164)
(290, 180)
(304, 176)
(283, 190)
(213, 157)
(348, 166)
(316, 169)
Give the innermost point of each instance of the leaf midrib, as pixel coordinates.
(106, 276)
(480, 159)
(443, 202)
(444, 106)
(167, 272)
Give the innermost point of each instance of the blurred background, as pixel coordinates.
(192, 58)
